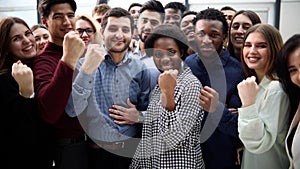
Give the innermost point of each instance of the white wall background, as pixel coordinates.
(289, 22)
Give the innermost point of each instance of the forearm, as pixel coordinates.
(53, 91)
(81, 91)
(168, 101)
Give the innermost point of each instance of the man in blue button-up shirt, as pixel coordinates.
(109, 89)
(219, 73)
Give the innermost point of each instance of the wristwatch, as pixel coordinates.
(141, 118)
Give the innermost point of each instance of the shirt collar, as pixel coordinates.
(265, 82)
(127, 59)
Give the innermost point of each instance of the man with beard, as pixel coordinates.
(151, 16)
(109, 91)
(219, 73)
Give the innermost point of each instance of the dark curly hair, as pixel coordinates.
(212, 14)
(170, 31)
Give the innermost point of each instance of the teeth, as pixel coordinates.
(28, 48)
(253, 59)
(239, 39)
(190, 33)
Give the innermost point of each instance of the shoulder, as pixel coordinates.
(188, 79)
(191, 58)
(137, 64)
(274, 88)
(230, 61)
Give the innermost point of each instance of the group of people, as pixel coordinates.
(152, 86)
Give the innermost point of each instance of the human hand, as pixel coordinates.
(73, 48)
(93, 58)
(247, 91)
(209, 99)
(167, 81)
(24, 77)
(123, 115)
(133, 44)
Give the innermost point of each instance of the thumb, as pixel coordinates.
(98, 39)
(130, 104)
(174, 73)
(253, 78)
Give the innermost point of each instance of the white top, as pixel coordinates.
(263, 127)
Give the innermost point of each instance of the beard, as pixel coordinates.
(112, 49)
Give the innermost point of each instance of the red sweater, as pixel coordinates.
(53, 85)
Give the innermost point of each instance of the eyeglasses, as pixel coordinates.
(88, 31)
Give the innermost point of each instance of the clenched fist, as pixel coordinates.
(247, 91)
(93, 57)
(167, 83)
(73, 48)
(24, 77)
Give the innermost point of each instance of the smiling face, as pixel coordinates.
(209, 37)
(60, 21)
(240, 25)
(294, 66)
(256, 53)
(148, 21)
(166, 54)
(22, 44)
(41, 36)
(117, 34)
(187, 26)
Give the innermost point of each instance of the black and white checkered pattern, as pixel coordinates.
(172, 139)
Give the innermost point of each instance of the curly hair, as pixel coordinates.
(212, 14)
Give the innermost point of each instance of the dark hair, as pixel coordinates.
(154, 6)
(274, 40)
(37, 26)
(254, 19)
(170, 31)
(6, 61)
(188, 13)
(100, 9)
(117, 12)
(212, 14)
(281, 67)
(176, 6)
(44, 6)
(227, 8)
(133, 5)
